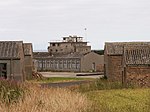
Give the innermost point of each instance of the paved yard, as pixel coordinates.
(69, 74)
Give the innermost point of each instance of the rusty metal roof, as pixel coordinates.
(10, 49)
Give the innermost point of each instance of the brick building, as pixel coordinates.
(127, 62)
(137, 65)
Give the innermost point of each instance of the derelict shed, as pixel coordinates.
(137, 65)
(12, 60)
(114, 57)
(113, 61)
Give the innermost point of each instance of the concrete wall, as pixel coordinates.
(91, 62)
(83, 49)
(28, 67)
(21, 63)
(14, 69)
(114, 70)
(18, 70)
(138, 75)
(62, 48)
(68, 47)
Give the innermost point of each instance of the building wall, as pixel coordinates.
(20, 64)
(138, 75)
(58, 64)
(18, 70)
(83, 49)
(62, 48)
(105, 63)
(91, 62)
(28, 66)
(114, 69)
(69, 47)
(8, 67)
(14, 69)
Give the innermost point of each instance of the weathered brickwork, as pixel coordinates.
(115, 68)
(138, 75)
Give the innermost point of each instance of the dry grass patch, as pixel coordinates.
(49, 100)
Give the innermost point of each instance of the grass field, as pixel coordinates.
(60, 79)
(121, 100)
(39, 99)
(98, 96)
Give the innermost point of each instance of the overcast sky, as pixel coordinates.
(40, 21)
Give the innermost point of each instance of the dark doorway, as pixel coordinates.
(3, 70)
(93, 67)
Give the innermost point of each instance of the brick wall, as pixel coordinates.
(114, 69)
(138, 75)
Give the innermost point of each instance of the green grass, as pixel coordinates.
(60, 79)
(120, 100)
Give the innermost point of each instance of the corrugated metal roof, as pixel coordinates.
(137, 55)
(116, 48)
(10, 49)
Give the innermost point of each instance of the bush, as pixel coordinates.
(10, 91)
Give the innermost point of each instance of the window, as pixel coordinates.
(52, 64)
(48, 64)
(56, 64)
(78, 64)
(65, 64)
(40, 64)
(70, 64)
(60, 64)
(53, 44)
(74, 64)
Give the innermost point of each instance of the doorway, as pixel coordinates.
(3, 70)
(93, 67)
